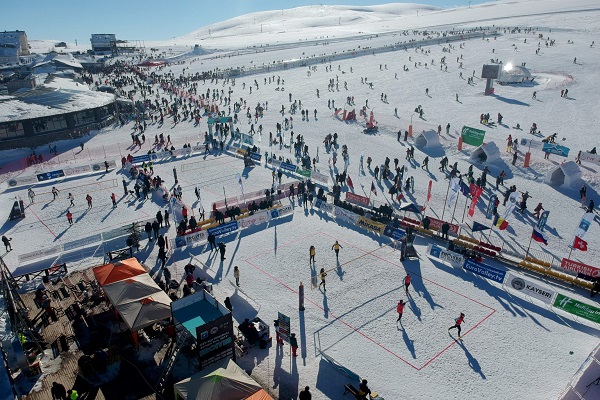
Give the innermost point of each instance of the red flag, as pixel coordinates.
(579, 244)
(472, 207)
(429, 190)
(350, 184)
(373, 189)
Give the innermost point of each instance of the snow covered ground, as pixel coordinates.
(514, 347)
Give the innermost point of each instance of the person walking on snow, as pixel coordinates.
(70, 217)
(89, 200)
(322, 274)
(31, 195)
(54, 193)
(114, 200)
(222, 247)
(294, 344)
(312, 251)
(6, 242)
(457, 322)
(236, 275)
(211, 242)
(336, 247)
(407, 280)
(400, 310)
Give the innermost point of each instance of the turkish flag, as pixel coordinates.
(580, 244)
(472, 207)
(350, 184)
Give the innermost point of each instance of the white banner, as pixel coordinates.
(285, 210)
(584, 225)
(196, 237)
(319, 177)
(256, 219)
(82, 169)
(452, 258)
(530, 288)
(589, 158)
(345, 215)
(512, 203)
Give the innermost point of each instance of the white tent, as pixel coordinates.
(486, 153)
(224, 380)
(427, 139)
(567, 174)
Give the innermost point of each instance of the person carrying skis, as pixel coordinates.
(407, 280)
(336, 247)
(457, 322)
(400, 310)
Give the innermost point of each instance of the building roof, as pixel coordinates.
(46, 101)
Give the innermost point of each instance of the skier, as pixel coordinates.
(312, 251)
(457, 322)
(322, 274)
(6, 242)
(336, 247)
(222, 247)
(114, 200)
(400, 310)
(407, 280)
(236, 275)
(89, 201)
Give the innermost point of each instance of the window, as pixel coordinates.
(49, 124)
(11, 130)
(84, 117)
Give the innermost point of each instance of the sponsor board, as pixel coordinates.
(554, 148)
(576, 307)
(589, 158)
(487, 271)
(275, 163)
(256, 219)
(436, 225)
(199, 148)
(255, 156)
(472, 136)
(530, 288)
(345, 215)
(304, 172)
(356, 199)
(23, 181)
(580, 268)
(370, 225)
(181, 152)
(224, 228)
(394, 233)
(327, 207)
(319, 177)
(115, 233)
(50, 251)
(140, 159)
(288, 167)
(46, 176)
(82, 242)
(83, 169)
(215, 341)
(532, 144)
(454, 259)
(281, 211)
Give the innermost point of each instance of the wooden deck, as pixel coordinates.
(83, 337)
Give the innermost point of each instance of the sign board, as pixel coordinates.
(356, 199)
(589, 158)
(490, 71)
(215, 340)
(288, 167)
(141, 159)
(532, 144)
(576, 307)
(580, 268)
(46, 176)
(327, 207)
(436, 225)
(394, 233)
(530, 288)
(345, 215)
(541, 224)
(487, 271)
(221, 120)
(284, 327)
(191, 238)
(472, 136)
(255, 156)
(554, 148)
(224, 228)
(258, 218)
(452, 258)
(319, 177)
(82, 242)
(370, 225)
(281, 211)
(304, 172)
(82, 169)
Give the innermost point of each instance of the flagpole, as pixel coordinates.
(453, 211)
(569, 257)
(446, 200)
(465, 210)
(528, 247)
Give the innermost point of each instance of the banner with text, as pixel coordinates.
(370, 225)
(345, 215)
(454, 259)
(576, 307)
(580, 268)
(356, 199)
(436, 225)
(487, 271)
(530, 288)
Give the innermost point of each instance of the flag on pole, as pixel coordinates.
(500, 222)
(464, 188)
(473, 205)
(584, 224)
(240, 182)
(479, 227)
(350, 184)
(373, 189)
(538, 237)
(429, 190)
(579, 244)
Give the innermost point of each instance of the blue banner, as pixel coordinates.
(50, 175)
(255, 156)
(394, 233)
(542, 221)
(487, 271)
(490, 207)
(288, 167)
(142, 158)
(180, 241)
(222, 120)
(554, 148)
(224, 228)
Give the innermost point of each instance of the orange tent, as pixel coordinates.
(114, 272)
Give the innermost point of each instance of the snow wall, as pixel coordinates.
(427, 139)
(567, 174)
(486, 153)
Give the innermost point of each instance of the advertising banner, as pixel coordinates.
(589, 158)
(530, 288)
(319, 177)
(356, 199)
(141, 159)
(487, 271)
(50, 175)
(532, 144)
(576, 307)
(436, 225)
(370, 225)
(82, 169)
(275, 163)
(454, 259)
(284, 327)
(115, 233)
(255, 156)
(304, 172)
(181, 152)
(490, 207)
(22, 181)
(580, 268)
(327, 207)
(215, 340)
(554, 148)
(394, 233)
(288, 167)
(345, 215)
(191, 239)
(472, 136)
(281, 211)
(199, 148)
(541, 224)
(224, 228)
(101, 166)
(258, 218)
(46, 252)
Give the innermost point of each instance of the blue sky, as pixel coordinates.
(67, 20)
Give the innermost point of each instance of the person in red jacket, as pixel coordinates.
(400, 309)
(457, 323)
(407, 280)
(70, 217)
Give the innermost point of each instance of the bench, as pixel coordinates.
(348, 388)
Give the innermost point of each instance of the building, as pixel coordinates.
(13, 44)
(104, 43)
